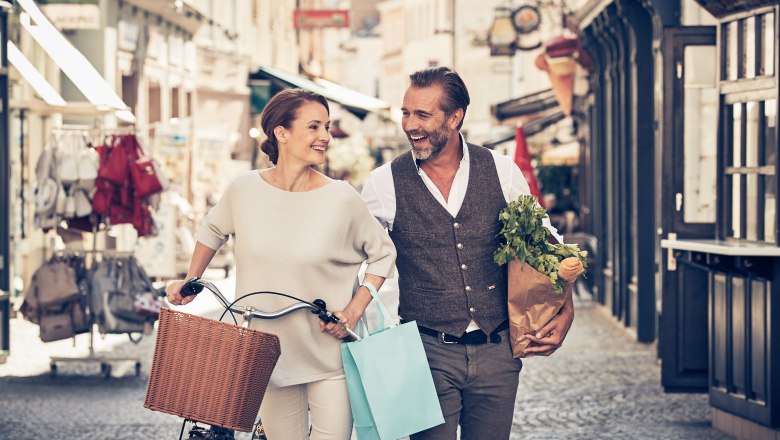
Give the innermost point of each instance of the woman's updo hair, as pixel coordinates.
(281, 110)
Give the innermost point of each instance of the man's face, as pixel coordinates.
(425, 124)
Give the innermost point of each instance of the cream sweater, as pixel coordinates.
(306, 244)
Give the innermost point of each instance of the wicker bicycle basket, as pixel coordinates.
(210, 371)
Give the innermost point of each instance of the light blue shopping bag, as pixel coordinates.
(389, 381)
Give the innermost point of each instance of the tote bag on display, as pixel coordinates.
(390, 386)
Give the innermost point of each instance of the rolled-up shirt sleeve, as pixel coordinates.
(217, 226)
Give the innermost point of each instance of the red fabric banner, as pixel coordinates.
(523, 161)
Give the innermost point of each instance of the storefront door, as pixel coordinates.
(688, 200)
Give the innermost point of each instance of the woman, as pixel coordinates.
(298, 232)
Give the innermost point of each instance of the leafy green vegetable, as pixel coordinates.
(525, 239)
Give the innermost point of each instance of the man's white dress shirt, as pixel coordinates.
(379, 191)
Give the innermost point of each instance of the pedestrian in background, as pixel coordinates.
(298, 232)
(440, 201)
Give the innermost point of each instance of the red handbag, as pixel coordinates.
(143, 222)
(142, 171)
(120, 215)
(101, 201)
(113, 162)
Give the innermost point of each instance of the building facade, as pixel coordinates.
(679, 152)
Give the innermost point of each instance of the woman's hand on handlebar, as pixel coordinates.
(173, 293)
(347, 318)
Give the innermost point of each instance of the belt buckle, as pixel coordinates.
(443, 341)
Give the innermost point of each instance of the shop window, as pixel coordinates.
(175, 102)
(750, 181)
(155, 110)
(700, 151)
(768, 42)
(769, 127)
(732, 44)
(130, 90)
(749, 47)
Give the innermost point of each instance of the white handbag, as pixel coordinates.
(67, 167)
(83, 203)
(89, 162)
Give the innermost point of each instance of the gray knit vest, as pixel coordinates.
(446, 272)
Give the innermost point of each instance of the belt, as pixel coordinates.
(476, 337)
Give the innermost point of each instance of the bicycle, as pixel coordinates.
(194, 286)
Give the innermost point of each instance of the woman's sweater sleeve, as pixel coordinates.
(373, 240)
(218, 225)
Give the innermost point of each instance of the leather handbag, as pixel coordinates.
(113, 162)
(122, 304)
(55, 327)
(142, 170)
(54, 283)
(142, 221)
(101, 201)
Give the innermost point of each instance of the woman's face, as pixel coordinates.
(307, 138)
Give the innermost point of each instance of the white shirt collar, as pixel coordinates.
(464, 160)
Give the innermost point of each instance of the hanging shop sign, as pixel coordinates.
(320, 18)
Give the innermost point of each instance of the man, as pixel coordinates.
(440, 201)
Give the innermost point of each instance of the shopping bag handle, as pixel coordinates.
(383, 315)
(361, 329)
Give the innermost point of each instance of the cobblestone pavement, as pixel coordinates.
(600, 385)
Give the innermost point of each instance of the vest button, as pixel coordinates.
(472, 309)
(456, 225)
(468, 288)
(463, 266)
(460, 245)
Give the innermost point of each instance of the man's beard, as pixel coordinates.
(437, 140)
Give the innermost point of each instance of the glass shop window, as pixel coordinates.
(750, 183)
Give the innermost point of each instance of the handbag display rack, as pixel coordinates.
(89, 179)
(105, 361)
(91, 176)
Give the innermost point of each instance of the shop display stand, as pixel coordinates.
(104, 361)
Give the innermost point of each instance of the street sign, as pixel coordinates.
(320, 18)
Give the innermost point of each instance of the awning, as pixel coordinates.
(721, 8)
(525, 105)
(32, 76)
(357, 103)
(530, 128)
(72, 62)
(51, 101)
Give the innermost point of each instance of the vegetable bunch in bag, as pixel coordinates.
(540, 273)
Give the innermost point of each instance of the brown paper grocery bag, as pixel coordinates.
(532, 303)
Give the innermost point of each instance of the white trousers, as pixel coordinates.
(286, 411)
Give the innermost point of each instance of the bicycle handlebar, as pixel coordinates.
(195, 285)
